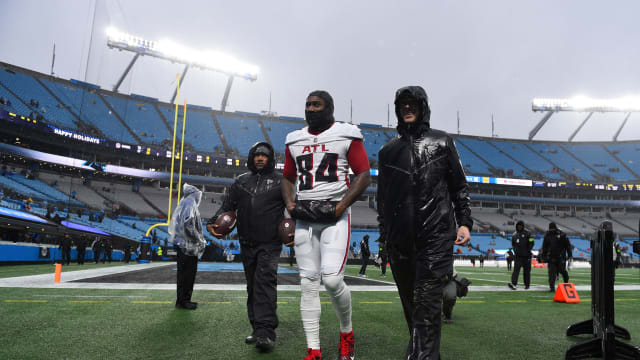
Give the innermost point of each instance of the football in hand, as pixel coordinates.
(225, 223)
(286, 231)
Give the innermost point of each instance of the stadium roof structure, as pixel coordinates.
(626, 105)
(174, 52)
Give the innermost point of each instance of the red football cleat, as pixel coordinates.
(347, 347)
(313, 354)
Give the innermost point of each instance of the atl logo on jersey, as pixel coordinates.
(307, 149)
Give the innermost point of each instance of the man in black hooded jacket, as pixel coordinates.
(522, 243)
(257, 199)
(423, 209)
(556, 248)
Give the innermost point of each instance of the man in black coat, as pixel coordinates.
(81, 245)
(382, 254)
(65, 246)
(257, 199)
(556, 248)
(522, 243)
(423, 210)
(365, 253)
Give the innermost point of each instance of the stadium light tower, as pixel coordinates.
(626, 105)
(171, 51)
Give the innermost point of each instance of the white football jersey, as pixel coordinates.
(321, 161)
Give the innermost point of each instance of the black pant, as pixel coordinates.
(525, 263)
(557, 267)
(261, 272)
(509, 262)
(420, 283)
(187, 268)
(66, 255)
(80, 256)
(365, 262)
(96, 255)
(127, 256)
(383, 264)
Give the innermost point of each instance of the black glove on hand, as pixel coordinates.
(318, 211)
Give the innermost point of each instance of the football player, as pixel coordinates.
(317, 193)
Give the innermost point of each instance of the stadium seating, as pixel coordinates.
(200, 132)
(278, 130)
(141, 117)
(472, 164)
(88, 105)
(528, 158)
(374, 139)
(45, 189)
(629, 153)
(563, 160)
(69, 185)
(27, 88)
(600, 160)
(497, 158)
(240, 132)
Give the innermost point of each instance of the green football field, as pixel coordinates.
(143, 324)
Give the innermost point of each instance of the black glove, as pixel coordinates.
(318, 211)
(462, 286)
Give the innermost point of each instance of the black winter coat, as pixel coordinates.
(522, 243)
(257, 198)
(422, 189)
(556, 246)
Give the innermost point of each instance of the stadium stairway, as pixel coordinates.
(225, 145)
(623, 163)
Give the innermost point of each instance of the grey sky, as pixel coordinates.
(478, 57)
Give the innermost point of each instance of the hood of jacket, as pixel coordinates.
(271, 163)
(520, 222)
(416, 93)
(190, 191)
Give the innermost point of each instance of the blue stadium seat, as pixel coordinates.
(600, 160)
(27, 88)
(91, 109)
(497, 159)
(562, 159)
(240, 132)
(629, 153)
(527, 158)
(278, 130)
(200, 132)
(141, 117)
(472, 164)
(374, 139)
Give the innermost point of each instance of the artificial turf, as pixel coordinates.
(143, 324)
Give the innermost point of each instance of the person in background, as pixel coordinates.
(556, 248)
(382, 255)
(81, 246)
(185, 229)
(509, 255)
(65, 246)
(365, 254)
(522, 243)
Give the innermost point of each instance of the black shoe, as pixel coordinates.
(552, 289)
(192, 302)
(512, 286)
(448, 320)
(526, 287)
(186, 305)
(251, 339)
(265, 344)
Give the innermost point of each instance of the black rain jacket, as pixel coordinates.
(422, 189)
(521, 241)
(257, 198)
(556, 246)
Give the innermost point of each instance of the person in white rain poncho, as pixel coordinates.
(186, 234)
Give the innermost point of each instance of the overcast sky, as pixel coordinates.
(476, 57)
